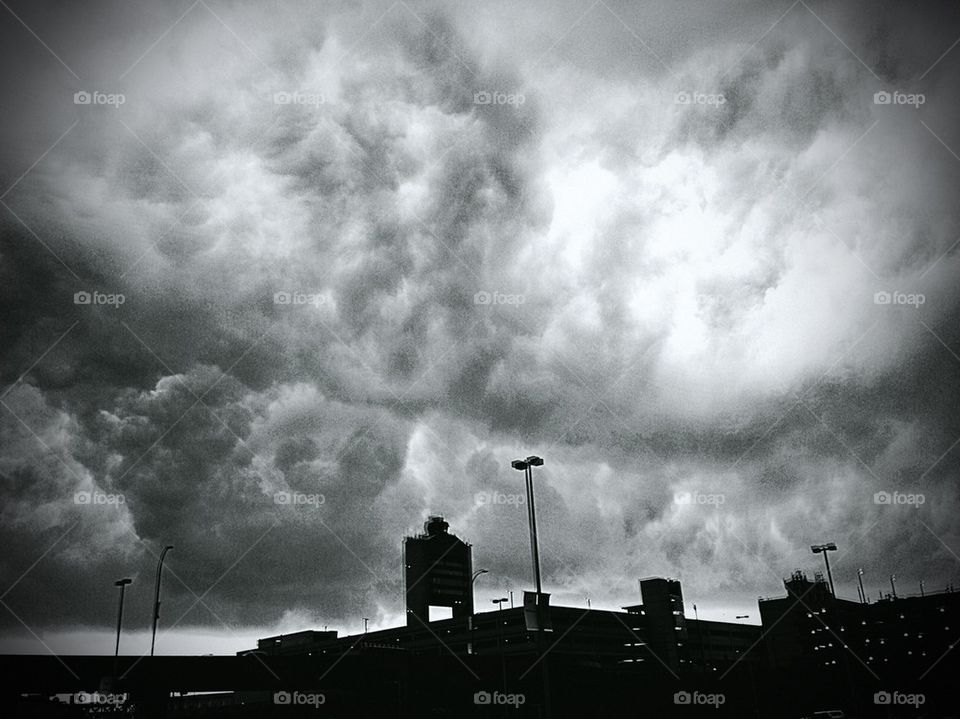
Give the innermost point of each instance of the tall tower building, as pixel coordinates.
(438, 568)
(666, 625)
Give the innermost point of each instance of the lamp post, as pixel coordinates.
(823, 549)
(122, 583)
(156, 597)
(863, 594)
(893, 585)
(526, 466)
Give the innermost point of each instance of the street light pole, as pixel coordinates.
(863, 594)
(122, 583)
(526, 466)
(156, 597)
(893, 585)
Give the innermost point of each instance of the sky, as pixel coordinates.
(280, 280)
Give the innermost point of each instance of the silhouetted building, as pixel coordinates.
(664, 620)
(802, 629)
(653, 638)
(293, 643)
(438, 569)
(812, 631)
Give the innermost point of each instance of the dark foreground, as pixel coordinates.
(397, 684)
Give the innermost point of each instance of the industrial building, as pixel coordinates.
(812, 630)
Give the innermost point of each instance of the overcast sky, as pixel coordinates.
(640, 240)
